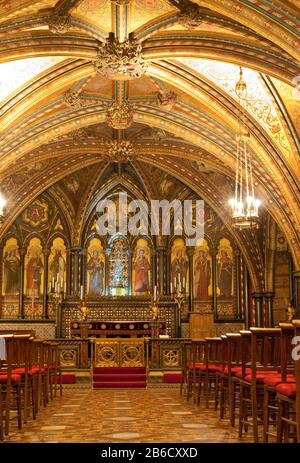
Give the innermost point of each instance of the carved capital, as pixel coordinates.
(119, 116)
(73, 100)
(120, 60)
(120, 151)
(167, 100)
(190, 15)
(59, 24)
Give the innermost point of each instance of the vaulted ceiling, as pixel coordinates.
(44, 139)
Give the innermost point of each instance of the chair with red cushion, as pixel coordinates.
(221, 396)
(287, 396)
(265, 360)
(285, 375)
(186, 360)
(10, 384)
(208, 371)
(194, 368)
(55, 370)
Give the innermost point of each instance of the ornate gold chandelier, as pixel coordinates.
(245, 206)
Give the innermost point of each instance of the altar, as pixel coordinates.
(109, 329)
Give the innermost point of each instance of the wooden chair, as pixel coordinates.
(194, 368)
(270, 403)
(265, 358)
(10, 386)
(55, 370)
(287, 398)
(186, 361)
(221, 396)
(208, 371)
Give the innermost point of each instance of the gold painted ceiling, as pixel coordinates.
(48, 140)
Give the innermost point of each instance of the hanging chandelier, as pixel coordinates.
(245, 206)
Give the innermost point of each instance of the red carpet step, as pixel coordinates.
(116, 378)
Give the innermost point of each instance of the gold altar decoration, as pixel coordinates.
(119, 116)
(59, 24)
(291, 312)
(120, 60)
(118, 352)
(155, 312)
(120, 151)
(84, 313)
(73, 100)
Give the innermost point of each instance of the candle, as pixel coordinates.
(155, 292)
(171, 287)
(179, 286)
(53, 282)
(49, 287)
(175, 286)
(81, 292)
(65, 287)
(55, 287)
(183, 282)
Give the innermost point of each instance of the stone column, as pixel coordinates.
(129, 272)
(258, 308)
(153, 269)
(213, 253)
(269, 297)
(75, 253)
(69, 272)
(83, 270)
(21, 295)
(190, 252)
(1, 282)
(296, 294)
(45, 285)
(161, 251)
(107, 254)
(246, 296)
(238, 311)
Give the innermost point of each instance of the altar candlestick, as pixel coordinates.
(65, 288)
(171, 287)
(175, 285)
(183, 282)
(81, 292)
(155, 293)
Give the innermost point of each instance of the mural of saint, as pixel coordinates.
(95, 268)
(179, 265)
(57, 265)
(11, 267)
(202, 272)
(141, 268)
(224, 269)
(118, 268)
(34, 268)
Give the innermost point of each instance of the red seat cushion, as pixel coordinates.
(287, 389)
(198, 366)
(4, 378)
(21, 371)
(234, 370)
(260, 376)
(273, 381)
(239, 375)
(211, 367)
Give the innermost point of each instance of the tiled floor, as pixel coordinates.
(153, 415)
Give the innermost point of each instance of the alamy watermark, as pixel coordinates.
(186, 217)
(296, 350)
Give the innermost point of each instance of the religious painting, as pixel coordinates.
(57, 273)
(225, 269)
(95, 268)
(118, 268)
(36, 214)
(202, 271)
(179, 266)
(11, 268)
(141, 268)
(34, 269)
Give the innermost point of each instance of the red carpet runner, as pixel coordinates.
(113, 378)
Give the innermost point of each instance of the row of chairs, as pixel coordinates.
(251, 377)
(30, 376)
